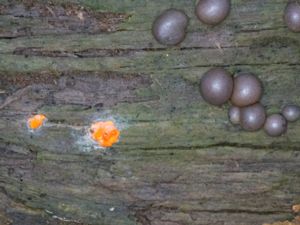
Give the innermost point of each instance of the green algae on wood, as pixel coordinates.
(179, 160)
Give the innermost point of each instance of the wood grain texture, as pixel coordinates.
(179, 161)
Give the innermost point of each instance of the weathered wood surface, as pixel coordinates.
(179, 161)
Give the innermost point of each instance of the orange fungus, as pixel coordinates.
(105, 133)
(296, 208)
(36, 121)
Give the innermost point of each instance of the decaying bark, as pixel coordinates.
(179, 161)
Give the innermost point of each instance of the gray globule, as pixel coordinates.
(234, 115)
(212, 12)
(292, 16)
(291, 112)
(169, 28)
(216, 86)
(275, 125)
(247, 90)
(253, 117)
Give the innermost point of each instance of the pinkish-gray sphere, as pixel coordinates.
(169, 28)
(247, 90)
(216, 86)
(212, 12)
(275, 125)
(253, 117)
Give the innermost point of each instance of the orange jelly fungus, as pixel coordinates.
(36, 121)
(296, 208)
(105, 133)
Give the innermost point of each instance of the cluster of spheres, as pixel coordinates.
(244, 91)
(169, 28)
(217, 86)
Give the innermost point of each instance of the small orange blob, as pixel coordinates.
(296, 208)
(105, 133)
(36, 121)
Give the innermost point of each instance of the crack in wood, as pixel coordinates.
(226, 144)
(104, 52)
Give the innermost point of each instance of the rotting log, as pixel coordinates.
(179, 161)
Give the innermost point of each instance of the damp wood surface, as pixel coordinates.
(179, 161)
